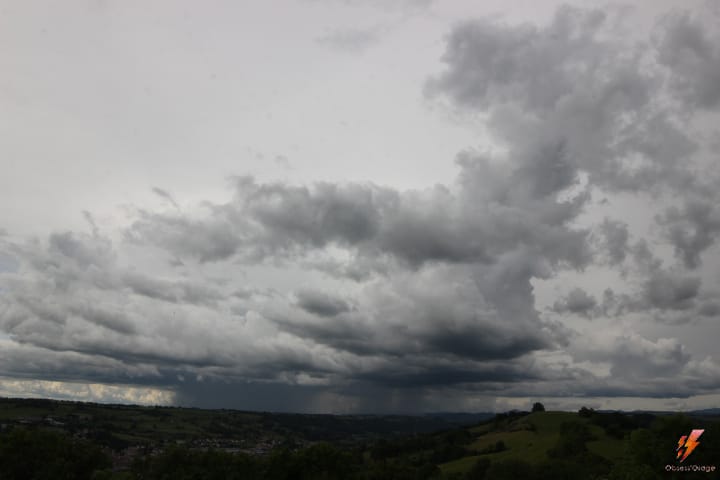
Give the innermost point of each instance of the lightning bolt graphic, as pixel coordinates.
(681, 442)
(690, 443)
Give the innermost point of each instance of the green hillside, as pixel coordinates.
(587, 445)
(530, 438)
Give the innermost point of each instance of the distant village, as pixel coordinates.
(87, 427)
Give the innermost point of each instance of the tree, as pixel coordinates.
(39, 454)
(538, 407)
(586, 412)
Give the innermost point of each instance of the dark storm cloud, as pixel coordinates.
(413, 375)
(413, 227)
(443, 278)
(29, 361)
(447, 272)
(328, 213)
(258, 396)
(440, 311)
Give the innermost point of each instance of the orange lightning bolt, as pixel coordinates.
(689, 442)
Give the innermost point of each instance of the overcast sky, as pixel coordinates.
(361, 205)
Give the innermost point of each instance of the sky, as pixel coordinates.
(346, 206)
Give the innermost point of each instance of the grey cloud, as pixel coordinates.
(83, 254)
(635, 357)
(72, 297)
(493, 63)
(329, 213)
(165, 195)
(350, 40)
(574, 81)
(171, 291)
(666, 290)
(692, 229)
(110, 319)
(573, 99)
(614, 237)
(359, 270)
(666, 297)
(645, 260)
(577, 301)
(638, 367)
(663, 292)
(438, 224)
(710, 309)
(207, 241)
(692, 54)
(8, 263)
(384, 4)
(91, 221)
(320, 303)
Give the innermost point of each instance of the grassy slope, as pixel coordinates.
(532, 446)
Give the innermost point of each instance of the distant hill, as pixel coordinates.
(706, 411)
(125, 425)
